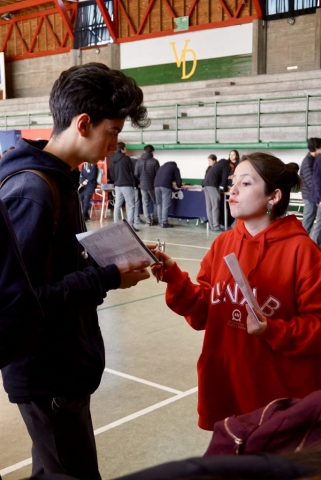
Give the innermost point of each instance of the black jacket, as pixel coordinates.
(306, 174)
(68, 358)
(258, 466)
(21, 318)
(167, 174)
(145, 171)
(121, 170)
(217, 175)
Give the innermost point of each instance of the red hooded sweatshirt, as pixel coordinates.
(238, 372)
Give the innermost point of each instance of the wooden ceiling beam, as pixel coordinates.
(14, 7)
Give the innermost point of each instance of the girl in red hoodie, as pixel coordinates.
(244, 363)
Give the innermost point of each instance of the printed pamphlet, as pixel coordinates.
(117, 243)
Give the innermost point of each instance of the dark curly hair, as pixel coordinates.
(276, 175)
(100, 92)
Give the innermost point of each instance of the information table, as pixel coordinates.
(193, 205)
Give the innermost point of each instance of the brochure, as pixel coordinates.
(235, 269)
(117, 243)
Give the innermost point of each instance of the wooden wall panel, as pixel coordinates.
(41, 30)
(137, 17)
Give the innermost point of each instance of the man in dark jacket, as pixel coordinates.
(87, 186)
(53, 382)
(145, 171)
(215, 181)
(306, 174)
(163, 183)
(21, 317)
(121, 172)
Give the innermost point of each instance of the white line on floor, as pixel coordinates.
(16, 466)
(140, 413)
(141, 380)
(121, 421)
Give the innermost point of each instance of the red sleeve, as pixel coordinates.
(186, 298)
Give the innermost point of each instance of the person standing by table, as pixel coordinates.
(87, 185)
(247, 362)
(163, 183)
(214, 183)
(211, 160)
(121, 172)
(145, 171)
(138, 196)
(234, 160)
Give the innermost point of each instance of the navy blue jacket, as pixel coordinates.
(145, 171)
(21, 317)
(315, 196)
(306, 174)
(167, 174)
(68, 358)
(91, 176)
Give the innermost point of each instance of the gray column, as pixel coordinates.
(259, 47)
(317, 41)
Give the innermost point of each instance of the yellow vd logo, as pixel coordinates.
(182, 60)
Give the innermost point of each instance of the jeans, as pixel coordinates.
(85, 201)
(309, 214)
(316, 232)
(147, 196)
(137, 205)
(213, 202)
(163, 202)
(126, 194)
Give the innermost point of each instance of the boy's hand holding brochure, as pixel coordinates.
(119, 244)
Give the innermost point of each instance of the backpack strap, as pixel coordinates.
(53, 187)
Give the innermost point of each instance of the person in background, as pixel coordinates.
(163, 183)
(121, 172)
(234, 159)
(53, 382)
(87, 185)
(306, 174)
(212, 159)
(21, 317)
(145, 171)
(138, 197)
(215, 182)
(242, 348)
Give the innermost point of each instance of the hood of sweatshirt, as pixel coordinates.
(29, 155)
(116, 157)
(284, 228)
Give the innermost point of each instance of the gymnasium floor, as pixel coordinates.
(144, 411)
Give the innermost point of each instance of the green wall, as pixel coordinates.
(224, 67)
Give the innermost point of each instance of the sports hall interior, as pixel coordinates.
(216, 76)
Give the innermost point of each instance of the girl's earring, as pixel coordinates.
(268, 209)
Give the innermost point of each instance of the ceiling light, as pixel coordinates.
(6, 16)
